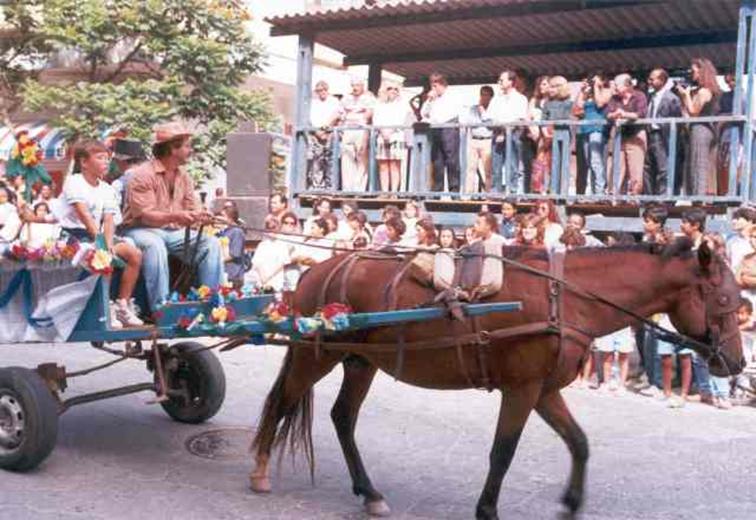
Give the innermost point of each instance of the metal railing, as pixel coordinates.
(416, 164)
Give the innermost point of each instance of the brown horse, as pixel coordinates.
(697, 291)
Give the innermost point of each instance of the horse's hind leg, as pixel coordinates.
(290, 399)
(358, 376)
(516, 406)
(552, 408)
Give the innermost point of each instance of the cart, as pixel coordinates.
(186, 376)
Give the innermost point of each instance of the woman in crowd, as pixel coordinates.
(411, 216)
(552, 227)
(541, 147)
(558, 108)
(233, 257)
(390, 110)
(380, 236)
(42, 229)
(426, 234)
(701, 101)
(271, 256)
(321, 208)
(530, 232)
(590, 146)
(315, 248)
(446, 238)
(508, 225)
(360, 236)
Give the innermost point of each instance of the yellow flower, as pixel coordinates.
(204, 292)
(101, 260)
(220, 314)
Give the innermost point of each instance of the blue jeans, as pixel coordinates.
(590, 163)
(156, 243)
(560, 161)
(701, 375)
(720, 386)
(516, 180)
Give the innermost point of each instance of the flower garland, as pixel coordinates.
(52, 251)
(26, 150)
(203, 293)
(332, 317)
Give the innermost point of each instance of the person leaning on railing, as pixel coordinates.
(325, 112)
(700, 101)
(627, 105)
(590, 145)
(390, 111)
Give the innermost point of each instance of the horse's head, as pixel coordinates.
(706, 311)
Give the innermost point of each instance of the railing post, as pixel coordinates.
(420, 157)
(732, 170)
(672, 159)
(508, 172)
(464, 141)
(749, 188)
(616, 152)
(372, 166)
(303, 97)
(555, 162)
(336, 160)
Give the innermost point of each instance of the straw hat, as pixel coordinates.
(169, 131)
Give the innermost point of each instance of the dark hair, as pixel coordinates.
(322, 224)
(488, 89)
(663, 74)
(621, 238)
(747, 213)
(281, 197)
(655, 213)
(164, 149)
(578, 214)
(86, 149)
(430, 230)
(272, 223)
(391, 211)
(437, 77)
(745, 302)
(490, 219)
(39, 205)
(289, 214)
(398, 224)
(351, 204)
(359, 216)
(331, 219)
(695, 216)
(233, 213)
(572, 237)
(318, 202)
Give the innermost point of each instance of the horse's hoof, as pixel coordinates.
(572, 501)
(377, 508)
(259, 484)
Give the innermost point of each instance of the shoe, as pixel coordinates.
(126, 315)
(651, 391)
(676, 402)
(723, 403)
(115, 323)
(707, 399)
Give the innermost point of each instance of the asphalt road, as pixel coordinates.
(426, 451)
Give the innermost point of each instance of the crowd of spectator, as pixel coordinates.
(539, 157)
(289, 250)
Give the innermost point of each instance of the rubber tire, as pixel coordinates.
(41, 418)
(206, 379)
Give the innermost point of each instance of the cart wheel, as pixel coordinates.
(28, 419)
(200, 375)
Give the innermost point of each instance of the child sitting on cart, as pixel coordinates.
(87, 207)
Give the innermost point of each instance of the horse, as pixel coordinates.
(604, 290)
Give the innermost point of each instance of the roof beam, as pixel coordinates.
(638, 42)
(379, 17)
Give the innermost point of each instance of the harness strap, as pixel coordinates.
(327, 282)
(482, 344)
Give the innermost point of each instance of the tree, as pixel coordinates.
(141, 62)
(22, 52)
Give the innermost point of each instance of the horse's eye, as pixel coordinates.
(724, 300)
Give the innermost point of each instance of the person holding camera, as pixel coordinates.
(700, 101)
(663, 103)
(591, 101)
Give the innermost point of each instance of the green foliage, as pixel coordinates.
(146, 61)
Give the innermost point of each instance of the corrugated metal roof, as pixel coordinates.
(475, 38)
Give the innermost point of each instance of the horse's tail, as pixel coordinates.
(297, 420)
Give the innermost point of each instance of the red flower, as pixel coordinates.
(334, 309)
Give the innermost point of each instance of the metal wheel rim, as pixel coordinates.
(12, 423)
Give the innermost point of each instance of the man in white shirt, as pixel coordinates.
(357, 109)
(441, 109)
(325, 111)
(509, 106)
(739, 245)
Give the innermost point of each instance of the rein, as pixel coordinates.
(713, 349)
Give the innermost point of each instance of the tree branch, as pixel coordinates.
(130, 56)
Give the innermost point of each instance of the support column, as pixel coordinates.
(374, 77)
(302, 111)
(747, 8)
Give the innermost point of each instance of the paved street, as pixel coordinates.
(427, 451)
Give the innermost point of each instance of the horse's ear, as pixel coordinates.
(705, 256)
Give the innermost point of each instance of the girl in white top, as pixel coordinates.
(271, 256)
(390, 110)
(44, 231)
(88, 208)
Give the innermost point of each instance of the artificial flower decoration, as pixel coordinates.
(26, 161)
(277, 312)
(222, 315)
(306, 326)
(336, 316)
(204, 292)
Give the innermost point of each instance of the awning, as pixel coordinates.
(471, 41)
(51, 139)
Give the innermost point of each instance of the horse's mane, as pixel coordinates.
(680, 248)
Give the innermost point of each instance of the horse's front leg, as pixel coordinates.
(358, 376)
(516, 405)
(552, 408)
